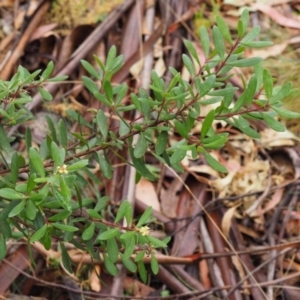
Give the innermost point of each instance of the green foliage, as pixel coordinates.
(48, 201)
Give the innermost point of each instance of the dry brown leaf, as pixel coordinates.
(42, 30)
(271, 138)
(276, 16)
(205, 169)
(160, 67)
(137, 288)
(276, 198)
(270, 51)
(248, 231)
(204, 274)
(226, 220)
(145, 192)
(95, 282)
(239, 267)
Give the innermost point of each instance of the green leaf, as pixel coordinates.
(101, 203)
(245, 19)
(90, 84)
(285, 113)
(274, 124)
(66, 260)
(64, 190)
(102, 123)
(105, 166)
(6, 229)
(156, 242)
(39, 234)
(240, 102)
(257, 44)
(36, 161)
(6, 210)
(14, 167)
(108, 234)
(214, 163)
(57, 78)
(182, 130)
(250, 132)
(129, 264)
(154, 264)
(129, 247)
(108, 91)
(88, 232)
(28, 141)
(192, 51)
(10, 194)
(30, 210)
(224, 29)
(17, 209)
(112, 250)
(189, 65)
(109, 265)
(207, 123)
(78, 165)
(63, 135)
(55, 153)
(268, 83)
(52, 128)
(127, 235)
(205, 87)
(101, 98)
(121, 211)
(140, 256)
(121, 92)
(142, 271)
(3, 248)
(64, 227)
(5, 140)
(128, 213)
(60, 216)
(110, 57)
(45, 94)
(140, 166)
(145, 217)
(246, 62)
(251, 35)
(223, 92)
(98, 61)
(141, 147)
(90, 69)
(177, 156)
(204, 40)
(215, 142)
(282, 93)
(161, 142)
(124, 128)
(61, 199)
(218, 41)
(48, 71)
(251, 89)
(93, 214)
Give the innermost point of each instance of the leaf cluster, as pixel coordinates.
(44, 206)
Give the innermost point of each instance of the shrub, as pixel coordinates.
(43, 204)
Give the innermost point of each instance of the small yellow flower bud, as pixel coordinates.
(145, 230)
(62, 169)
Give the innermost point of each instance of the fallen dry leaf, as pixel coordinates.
(276, 16)
(95, 282)
(226, 220)
(145, 192)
